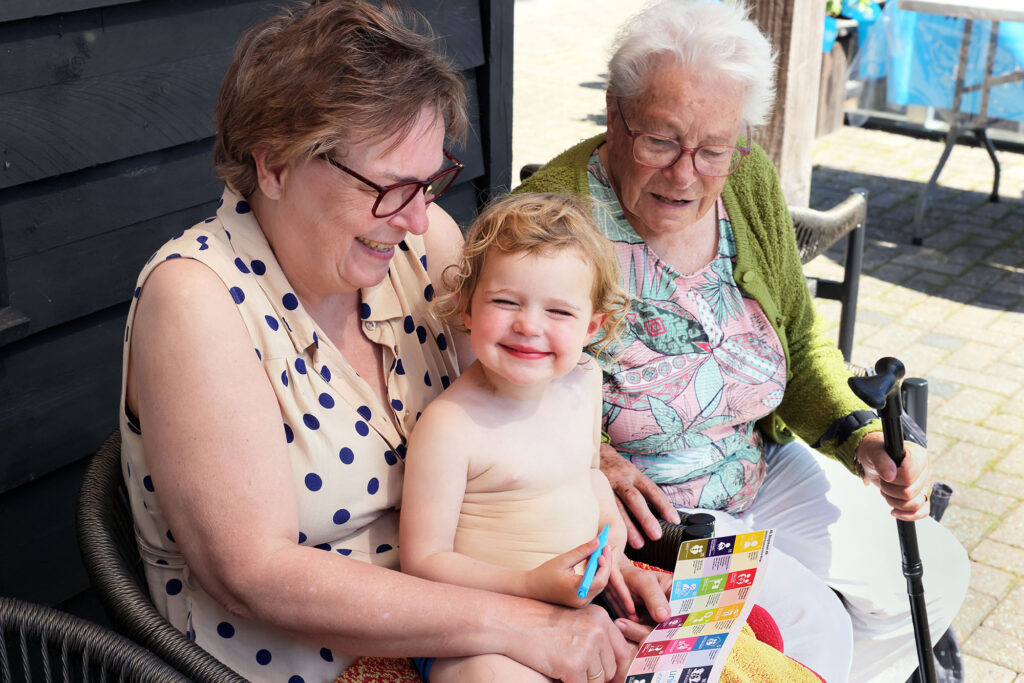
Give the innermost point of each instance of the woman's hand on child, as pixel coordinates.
(557, 580)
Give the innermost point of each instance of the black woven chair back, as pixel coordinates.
(106, 538)
(43, 644)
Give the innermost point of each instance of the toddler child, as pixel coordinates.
(502, 488)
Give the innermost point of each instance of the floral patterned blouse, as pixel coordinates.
(697, 366)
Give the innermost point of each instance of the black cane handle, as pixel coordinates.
(882, 392)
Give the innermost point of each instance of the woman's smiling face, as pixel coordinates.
(678, 105)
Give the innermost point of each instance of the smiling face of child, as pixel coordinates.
(531, 315)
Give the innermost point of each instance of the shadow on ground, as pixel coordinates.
(973, 249)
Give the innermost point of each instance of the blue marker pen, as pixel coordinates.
(588, 574)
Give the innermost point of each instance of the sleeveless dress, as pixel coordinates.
(698, 364)
(346, 455)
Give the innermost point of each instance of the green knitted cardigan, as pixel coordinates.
(768, 269)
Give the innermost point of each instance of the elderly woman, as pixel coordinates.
(278, 354)
(725, 359)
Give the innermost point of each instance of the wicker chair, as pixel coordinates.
(43, 644)
(816, 231)
(106, 538)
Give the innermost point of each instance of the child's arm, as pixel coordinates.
(436, 471)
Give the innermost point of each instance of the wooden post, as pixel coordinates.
(795, 29)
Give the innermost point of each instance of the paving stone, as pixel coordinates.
(996, 647)
(972, 613)
(1008, 616)
(977, 356)
(1006, 484)
(971, 378)
(1011, 424)
(998, 299)
(981, 671)
(969, 526)
(970, 433)
(937, 387)
(973, 318)
(943, 341)
(1013, 463)
(975, 498)
(1010, 529)
(873, 318)
(990, 581)
(1000, 555)
(971, 405)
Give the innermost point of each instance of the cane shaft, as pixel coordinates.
(913, 571)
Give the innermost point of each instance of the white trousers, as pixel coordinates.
(834, 581)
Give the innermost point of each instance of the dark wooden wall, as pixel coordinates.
(105, 137)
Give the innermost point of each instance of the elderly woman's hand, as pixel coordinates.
(633, 490)
(905, 489)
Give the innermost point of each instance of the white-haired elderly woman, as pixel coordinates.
(725, 360)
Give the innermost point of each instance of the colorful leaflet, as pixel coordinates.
(712, 590)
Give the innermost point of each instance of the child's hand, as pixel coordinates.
(618, 594)
(557, 581)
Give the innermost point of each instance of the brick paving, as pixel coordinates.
(952, 309)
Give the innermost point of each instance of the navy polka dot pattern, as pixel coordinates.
(442, 342)
(341, 449)
(428, 292)
(242, 207)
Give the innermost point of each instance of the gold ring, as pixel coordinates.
(595, 676)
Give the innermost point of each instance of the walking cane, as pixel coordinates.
(882, 392)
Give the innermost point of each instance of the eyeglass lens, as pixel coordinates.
(709, 160)
(394, 199)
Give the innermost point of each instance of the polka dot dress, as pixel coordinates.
(345, 452)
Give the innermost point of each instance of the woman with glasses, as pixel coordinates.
(725, 359)
(278, 354)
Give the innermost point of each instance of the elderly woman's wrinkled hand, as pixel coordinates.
(906, 488)
(634, 491)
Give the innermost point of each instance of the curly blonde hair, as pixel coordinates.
(537, 223)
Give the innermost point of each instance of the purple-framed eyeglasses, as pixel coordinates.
(657, 151)
(393, 198)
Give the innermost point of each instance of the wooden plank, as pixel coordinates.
(72, 47)
(70, 208)
(461, 203)
(83, 277)
(496, 82)
(67, 48)
(37, 532)
(12, 10)
(59, 395)
(458, 23)
(58, 129)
